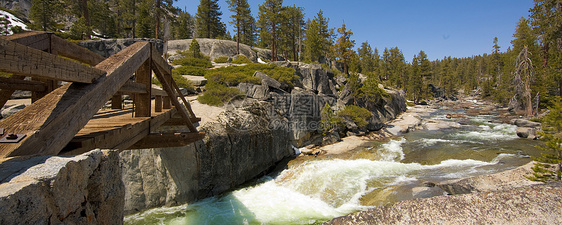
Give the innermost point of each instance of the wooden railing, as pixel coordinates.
(58, 112)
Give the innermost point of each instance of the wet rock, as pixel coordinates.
(526, 132)
(439, 124)
(538, 204)
(525, 123)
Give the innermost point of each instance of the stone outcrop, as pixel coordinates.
(215, 48)
(526, 128)
(84, 189)
(493, 182)
(538, 204)
(243, 145)
(109, 47)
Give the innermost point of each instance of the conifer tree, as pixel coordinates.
(367, 58)
(269, 22)
(318, 38)
(182, 27)
(145, 22)
(291, 31)
(43, 14)
(242, 20)
(344, 47)
(548, 167)
(208, 20)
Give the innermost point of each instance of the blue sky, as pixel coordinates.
(458, 28)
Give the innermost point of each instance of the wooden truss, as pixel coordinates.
(69, 116)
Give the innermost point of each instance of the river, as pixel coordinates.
(314, 190)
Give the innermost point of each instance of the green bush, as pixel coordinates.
(195, 62)
(282, 74)
(180, 81)
(231, 79)
(189, 70)
(241, 59)
(218, 94)
(222, 59)
(359, 115)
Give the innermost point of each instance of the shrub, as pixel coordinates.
(282, 74)
(222, 59)
(241, 59)
(231, 79)
(359, 115)
(218, 94)
(189, 70)
(196, 62)
(180, 81)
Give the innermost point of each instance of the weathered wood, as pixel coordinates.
(131, 87)
(20, 59)
(142, 100)
(156, 92)
(114, 129)
(167, 103)
(166, 84)
(73, 51)
(158, 103)
(50, 85)
(168, 140)
(6, 94)
(51, 122)
(34, 39)
(20, 84)
(117, 102)
(187, 105)
(179, 121)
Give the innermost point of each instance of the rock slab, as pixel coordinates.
(84, 189)
(539, 204)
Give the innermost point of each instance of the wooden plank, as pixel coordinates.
(50, 85)
(20, 84)
(117, 102)
(167, 103)
(168, 140)
(160, 74)
(142, 100)
(120, 137)
(73, 51)
(20, 59)
(158, 92)
(158, 103)
(34, 39)
(6, 94)
(185, 103)
(131, 87)
(179, 121)
(51, 122)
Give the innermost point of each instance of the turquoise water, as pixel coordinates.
(318, 189)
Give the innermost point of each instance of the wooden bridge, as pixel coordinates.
(70, 85)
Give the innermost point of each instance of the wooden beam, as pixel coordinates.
(142, 100)
(73, 51)
(185, 103)
(168, 140)
(34, 39)
(160, 74)
(20, 59)
(131, 87)
(158, 92)
(179, 121)
(6, 94)
(20, 84)
(51, 122)
(117, 102)
(158, 103)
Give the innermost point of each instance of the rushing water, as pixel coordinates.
(315, 190)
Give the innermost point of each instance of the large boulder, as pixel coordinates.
(215, 48)
(312, 77)
(83, 189)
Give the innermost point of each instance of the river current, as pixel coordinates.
(315, 190)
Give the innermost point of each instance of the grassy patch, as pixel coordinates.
(195, 62)
(218, 94)
(232, 75)
(189, 70)
(359, 115)
(222, 59)
(180, 81)
(241, 59)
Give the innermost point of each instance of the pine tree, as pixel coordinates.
(269, 22)
(242, 20)
(291, 30)
(367, 57)
(145, 22)
(344, 47)
(43, 14)
(318, 38)
(182, 27)
(548, 167)
(208, 20)
(194, 49)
